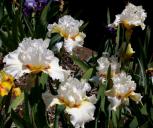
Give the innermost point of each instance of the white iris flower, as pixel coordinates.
(131, 16)
(72, 94)
(33, 56)
(123, 89)
(68, 28)
(104, 63)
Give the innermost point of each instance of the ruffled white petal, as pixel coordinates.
(67, 26)
(28, 42)
(82, 114)
(54, 102)
(74, 88)
(56, 72)
(59, 46)
(123, 83)
(115, 102)
(70, 43)
(13, 65)
(92, 99)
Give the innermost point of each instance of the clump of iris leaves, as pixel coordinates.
(18, 22)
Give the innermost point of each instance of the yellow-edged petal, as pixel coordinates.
(136, 97)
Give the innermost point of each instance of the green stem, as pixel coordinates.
(56, 117)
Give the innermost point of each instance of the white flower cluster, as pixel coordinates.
(33, 56)
(131, 16)
(68, 28)
(123, 86)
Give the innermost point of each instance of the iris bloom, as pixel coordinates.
(72, 94)
(33, 6)
(6, 83)
(131, 16)
(104, 63)
(68, 28)
(123, 89)
(32, 56)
